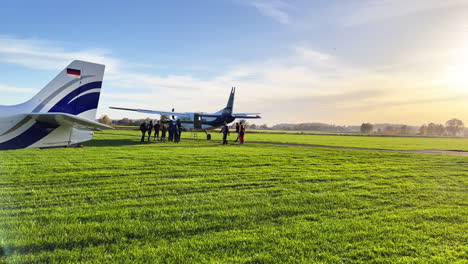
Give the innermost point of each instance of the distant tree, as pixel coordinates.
(440, 129)
(390, 130)
(423, 130)
(431, 129)
(134, 122)
(454, 126)
(404, 130)
(123, 122)
(264, 126)
(435, 129)
(367, 128)
(300, 127)
(104, 120)
(253, 126)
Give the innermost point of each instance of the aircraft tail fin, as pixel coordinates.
(75, 91)
(230, 104)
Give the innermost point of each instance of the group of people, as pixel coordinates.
(173, 129)
(240, 131)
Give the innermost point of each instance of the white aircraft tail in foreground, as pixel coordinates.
(61, 114)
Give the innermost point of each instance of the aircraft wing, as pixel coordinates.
(247, 115)
(240, 115)
(67, 119)
(152, 112)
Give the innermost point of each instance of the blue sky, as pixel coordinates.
(342, 62)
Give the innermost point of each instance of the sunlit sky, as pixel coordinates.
(337, 62)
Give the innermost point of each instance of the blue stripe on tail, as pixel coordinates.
(81, 104)
(35, 133)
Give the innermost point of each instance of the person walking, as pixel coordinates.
(225, 131)
(237, 131)
(143, 130)
(163, 133)
(156, 130)
(242, 134)
(149, 128)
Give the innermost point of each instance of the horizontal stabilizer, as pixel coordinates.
(153, 112)
(246, 114)
(243, 116)
(70, 120)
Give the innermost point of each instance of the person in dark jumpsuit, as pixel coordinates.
(237, 131)
(163, 133)
(156, 130)
(225, 131)
(179, 129)
(170, 130)
(149, 128)
(143, 131)
(175, 133)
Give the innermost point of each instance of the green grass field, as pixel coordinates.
(117, 200)
(397, 143)
(377, 142)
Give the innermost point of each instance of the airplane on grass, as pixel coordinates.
(198, 121)
(62, 114)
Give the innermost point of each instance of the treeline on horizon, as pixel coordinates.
(453, 127)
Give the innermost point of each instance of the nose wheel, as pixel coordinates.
(208, 136)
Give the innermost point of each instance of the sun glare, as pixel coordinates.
(457, 72)
(458, 75)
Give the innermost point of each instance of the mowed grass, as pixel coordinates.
(117, 200)
(377, 142)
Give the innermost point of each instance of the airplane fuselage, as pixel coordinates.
(199, 122)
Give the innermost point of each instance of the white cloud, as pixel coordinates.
(40, 54)
(306, 15)
(365, 11)
(275, 9)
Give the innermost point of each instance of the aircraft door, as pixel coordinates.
(197, 121)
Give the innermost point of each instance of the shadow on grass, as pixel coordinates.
(130, 142)
(135, 140)
(111, 142)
